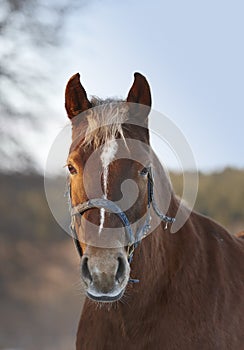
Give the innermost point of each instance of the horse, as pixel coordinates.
(180, 291)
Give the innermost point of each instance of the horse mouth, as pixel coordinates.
(103, 298)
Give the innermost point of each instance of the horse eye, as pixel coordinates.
(144, 172)
(72, 170)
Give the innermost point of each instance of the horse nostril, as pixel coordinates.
(121, 269)
(85, 270)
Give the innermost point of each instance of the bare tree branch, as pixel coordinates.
(26, 27)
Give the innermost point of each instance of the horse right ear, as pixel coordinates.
(76, 100)
(140, 98)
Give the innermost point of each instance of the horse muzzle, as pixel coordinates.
(105, 273)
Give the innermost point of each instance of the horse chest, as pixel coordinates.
(157, 329)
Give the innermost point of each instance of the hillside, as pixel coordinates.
(220, 196)
(39, 271)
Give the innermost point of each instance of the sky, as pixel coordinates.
(192, 54)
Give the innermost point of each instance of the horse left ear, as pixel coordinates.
(140, 93)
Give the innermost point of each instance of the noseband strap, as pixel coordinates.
(110, 207)
(133, 240)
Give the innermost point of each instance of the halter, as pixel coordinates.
(133, 239)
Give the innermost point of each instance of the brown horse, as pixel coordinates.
(190, 290)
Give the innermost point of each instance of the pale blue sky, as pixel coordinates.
(192, 54)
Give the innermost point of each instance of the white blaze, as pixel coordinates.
(108, 153)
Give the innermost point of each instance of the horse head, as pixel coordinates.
(109, 150)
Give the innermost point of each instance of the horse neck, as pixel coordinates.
(162, 255)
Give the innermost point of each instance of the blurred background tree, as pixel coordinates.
(30, 32)
(220, 196)
(35, 256)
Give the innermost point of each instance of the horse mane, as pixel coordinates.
(105, 121)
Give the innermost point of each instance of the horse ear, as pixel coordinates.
(140, 94)
(76, 100)
(140, 91)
